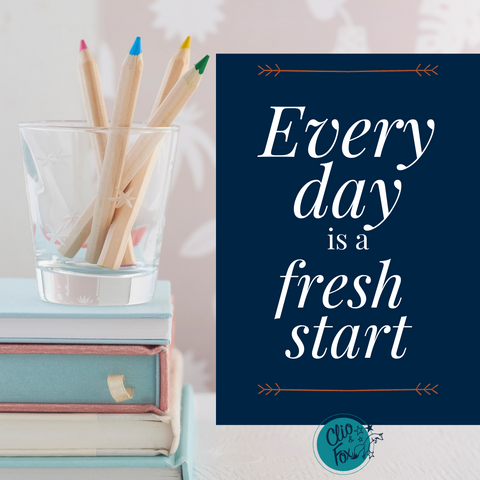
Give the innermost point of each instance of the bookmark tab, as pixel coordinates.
(117, 388)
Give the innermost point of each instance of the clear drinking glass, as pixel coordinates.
(62, 168)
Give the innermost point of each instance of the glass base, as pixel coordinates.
(68, 288)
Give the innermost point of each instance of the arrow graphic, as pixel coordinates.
(426, 70)
(268, 389)
(426, 389)
(268, 70)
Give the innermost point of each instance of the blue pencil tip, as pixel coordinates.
(136, 47)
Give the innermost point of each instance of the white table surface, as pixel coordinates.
(285, 452)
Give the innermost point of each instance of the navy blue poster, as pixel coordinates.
(347, 238)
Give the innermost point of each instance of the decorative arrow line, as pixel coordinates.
(271, 70)
(426, 389)
(268, 389)
(277, 70)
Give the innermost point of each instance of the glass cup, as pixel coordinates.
(62, 171)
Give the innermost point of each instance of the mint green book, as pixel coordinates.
(25, 318)
(177, 466)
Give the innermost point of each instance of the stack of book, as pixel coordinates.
(91, 387)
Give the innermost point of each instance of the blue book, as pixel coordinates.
(178, 465)
(25, 318)
(84, 378)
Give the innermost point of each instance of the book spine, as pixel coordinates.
(185, 452)
(78, 408)
(164, 365)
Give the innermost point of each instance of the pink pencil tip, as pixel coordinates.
(83, 45)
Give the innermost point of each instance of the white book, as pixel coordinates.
(94, 474)
(178, 466)
(85, 434)
(25, 318)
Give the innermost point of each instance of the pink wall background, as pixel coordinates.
(40, 81)
(188, 256)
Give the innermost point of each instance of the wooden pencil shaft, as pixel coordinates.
(96, 114)
(129, 258)
(91, 90)
(79, 234)
(163, 117)
(109, 181)
(93, 102)
(124, 219)
(117, 142)
(176, 67)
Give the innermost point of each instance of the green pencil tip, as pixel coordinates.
(200, 66)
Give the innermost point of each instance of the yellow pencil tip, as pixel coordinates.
(186, 43)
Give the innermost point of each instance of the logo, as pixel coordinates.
(344, 443)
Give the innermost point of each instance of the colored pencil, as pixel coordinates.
(176, 67)
(119, 230)
(93, 99)
(96, 114)
(116, 148)
(137, 155)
